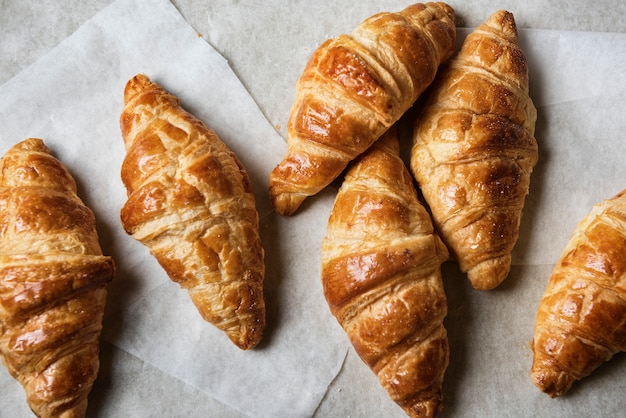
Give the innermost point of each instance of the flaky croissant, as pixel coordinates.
(474, 150)
(190, 202)
(53, 280)
(581, 318)
(382, 278)
(353, 88)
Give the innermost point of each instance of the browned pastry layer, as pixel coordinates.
(53, 280)
(382, 280)
(191, 203)
(355, 87)
(581, 319)
(474, 150)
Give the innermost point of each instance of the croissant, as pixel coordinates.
(53, 282)
(353, 88)
(381, 277)
(191, 203)
(581, 319)
(474, 150)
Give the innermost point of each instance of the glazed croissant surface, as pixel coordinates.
(474, 150)
(353, 88)
(191, 203)
(382, 279)
(53, 280)
(581, 318)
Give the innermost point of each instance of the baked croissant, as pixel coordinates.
(381, 274)
(474, 150)
(53, 280)
(581, 319)
(191, 203)
(353, 88)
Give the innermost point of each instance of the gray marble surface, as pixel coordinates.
(268, 67)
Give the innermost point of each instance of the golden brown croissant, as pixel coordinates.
(382, 279)
(474, 150)
(581, 319)
(191, 203)
(353, 89)
(53, 280)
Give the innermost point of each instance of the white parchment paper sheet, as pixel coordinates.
(72, 98)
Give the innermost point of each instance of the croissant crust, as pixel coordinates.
(53, 280)
(581, 318)
(474, 150)
(353, 88)
(382, 280)
(191, 203)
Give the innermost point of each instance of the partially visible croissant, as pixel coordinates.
(190, 202)
(352, 90)
(581, 319)
(382, 278)
(53, 280)
(474, 150)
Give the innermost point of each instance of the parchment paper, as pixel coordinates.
(72, 99)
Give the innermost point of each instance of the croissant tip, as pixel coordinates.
(447, 9)
(246, 345)
(503, 21)
(286, 204)
(248, 338)
(135, 85)
(552, 382)
(425, 407)
(489, 274)
(31, 144)
(435, 9)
